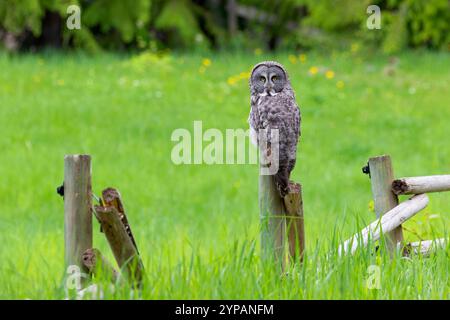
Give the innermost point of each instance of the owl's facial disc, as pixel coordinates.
(268, 80)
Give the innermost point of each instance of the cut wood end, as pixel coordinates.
(110, 194)
(399, 186)
(294, 187)
(379, 158)
(76, 156)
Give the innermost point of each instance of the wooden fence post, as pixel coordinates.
(77, 209)
(294, 221)
(381, 178)
(272, 216)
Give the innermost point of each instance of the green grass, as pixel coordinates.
(197, 226)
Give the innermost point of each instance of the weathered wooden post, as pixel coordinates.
(117, 230)
(77, 209)
(272, 216)
(381, 178)
(294, 221)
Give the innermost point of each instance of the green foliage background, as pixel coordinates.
(113, 24)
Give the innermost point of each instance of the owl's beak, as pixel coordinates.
(270, 91)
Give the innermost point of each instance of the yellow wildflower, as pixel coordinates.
(292, 59)
(258, 51)
(231, 81)
(206, 62)
(313, 70)
(302, 58)
(244, 75)
(354, 47)
(340, 84)
(329, 74)
(371, 206)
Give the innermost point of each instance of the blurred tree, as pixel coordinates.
(201, 24)
(119, 20)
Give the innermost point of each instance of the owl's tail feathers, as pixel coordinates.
(282, 181)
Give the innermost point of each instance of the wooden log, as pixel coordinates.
(77, 209)
(111, 197)
(121, 244)
(388, 222)
(418, 185)
(381, 177)
(424, 248)
(294, 221)
(272, 217)
(97, 265)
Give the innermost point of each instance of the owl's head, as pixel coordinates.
(268, 78)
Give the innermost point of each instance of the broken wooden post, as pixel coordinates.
(77, 209)
(122, 246)
(111, 197)
(388, 222)
(294, 221)
(381, 177)
(272, 216)
(98, 265)
(418, 185)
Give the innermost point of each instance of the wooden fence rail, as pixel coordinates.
(388, 222)
(390, 213)
(418, 185)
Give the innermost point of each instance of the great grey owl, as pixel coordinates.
(273, 106)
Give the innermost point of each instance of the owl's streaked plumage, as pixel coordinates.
(273, 106)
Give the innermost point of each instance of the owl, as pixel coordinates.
(273, 106)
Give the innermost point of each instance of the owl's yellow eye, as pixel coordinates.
(262, 79)
(274, 78)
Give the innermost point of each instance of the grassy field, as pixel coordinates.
(197, 226)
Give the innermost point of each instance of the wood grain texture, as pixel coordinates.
(77, 209)
(388, 222)
(272, 217)
(294, 221)
(111, 197)
(418, 185)
(381, 177)
(121, 244)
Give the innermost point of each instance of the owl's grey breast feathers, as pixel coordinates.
(278, 112)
